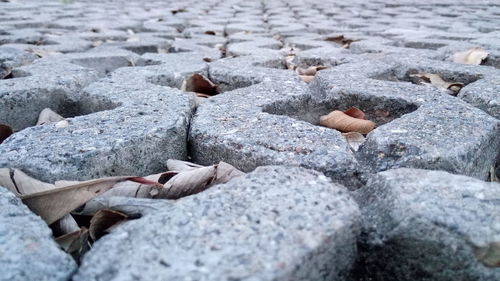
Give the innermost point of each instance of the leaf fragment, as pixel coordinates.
(20, 183)
(307, 78)
(311, 70)
(355, 112)
(341, 40)
(75, 243)
(5, 132)
(53, 204)
(48, 116)
(179, 165)
(103, 221)
(354, 139)
(472, 56)
(200, 84)
(340, 121)
(436, 81)
(489, 255)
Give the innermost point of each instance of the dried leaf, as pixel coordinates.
(341, 40)
(489, 255)
(181, 10)
(437, 82)
(199, 84)
(53, 204)
(354, 139)
(188, 182)
(340, 121)
(179, 165)
(20, 183)
(45, 53)
(62, 124)
(75, 243)
(192, 181)
(210, 32)
(306, 78)
(48, 116)
(65, 225)
(312, 70)
(5, 132)
(103, 220)
(355, 112)
(289, 64)
(226, 172)
(493, 174)
(471, 56)
(147, 188)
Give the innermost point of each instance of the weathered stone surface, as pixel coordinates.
(428, 225)
(27, 249)
(276, 223)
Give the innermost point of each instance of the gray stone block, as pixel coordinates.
(27, 249)
(427, 225)
(277, 223)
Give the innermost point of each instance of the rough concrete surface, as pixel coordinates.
(115, 70)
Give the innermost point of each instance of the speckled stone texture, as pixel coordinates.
(275, 223)
(428, 225)
(27, 250)
(115, 69)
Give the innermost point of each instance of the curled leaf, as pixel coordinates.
(310, 71)
(355, 112)
(199, 84)
(471, 56)
(437, 82)
(75, 243)
(192, 181)
(341, 40)
(54, 204)
(306, 78)
(20, 183)
(340, 121)
(179, 165)
(48, 116)
(103, 221)
(5, 132)
(354, 139)
(489, 255)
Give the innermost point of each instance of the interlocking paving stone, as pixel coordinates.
(27, 250)
(276, 223)
(427, 225)
(114, 69)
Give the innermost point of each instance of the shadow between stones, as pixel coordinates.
(380, 110)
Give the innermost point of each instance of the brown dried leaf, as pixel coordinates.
(199, 84)
(341, 40)
(148, 188)
(355, 112)
(311, 70)
(306, 78)
(437, 82)
(225, 172)
(102, 221)
(192, 181)
(340, 121)
(75, 243)
(471, 56)
(179, 165)
(354, 139)
(53, 204)
(5, 132)
(48, 116)
(188, 183)
(210, 32)
(489, 255)
(20, 183)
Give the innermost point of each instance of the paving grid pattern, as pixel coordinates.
(115, 69)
